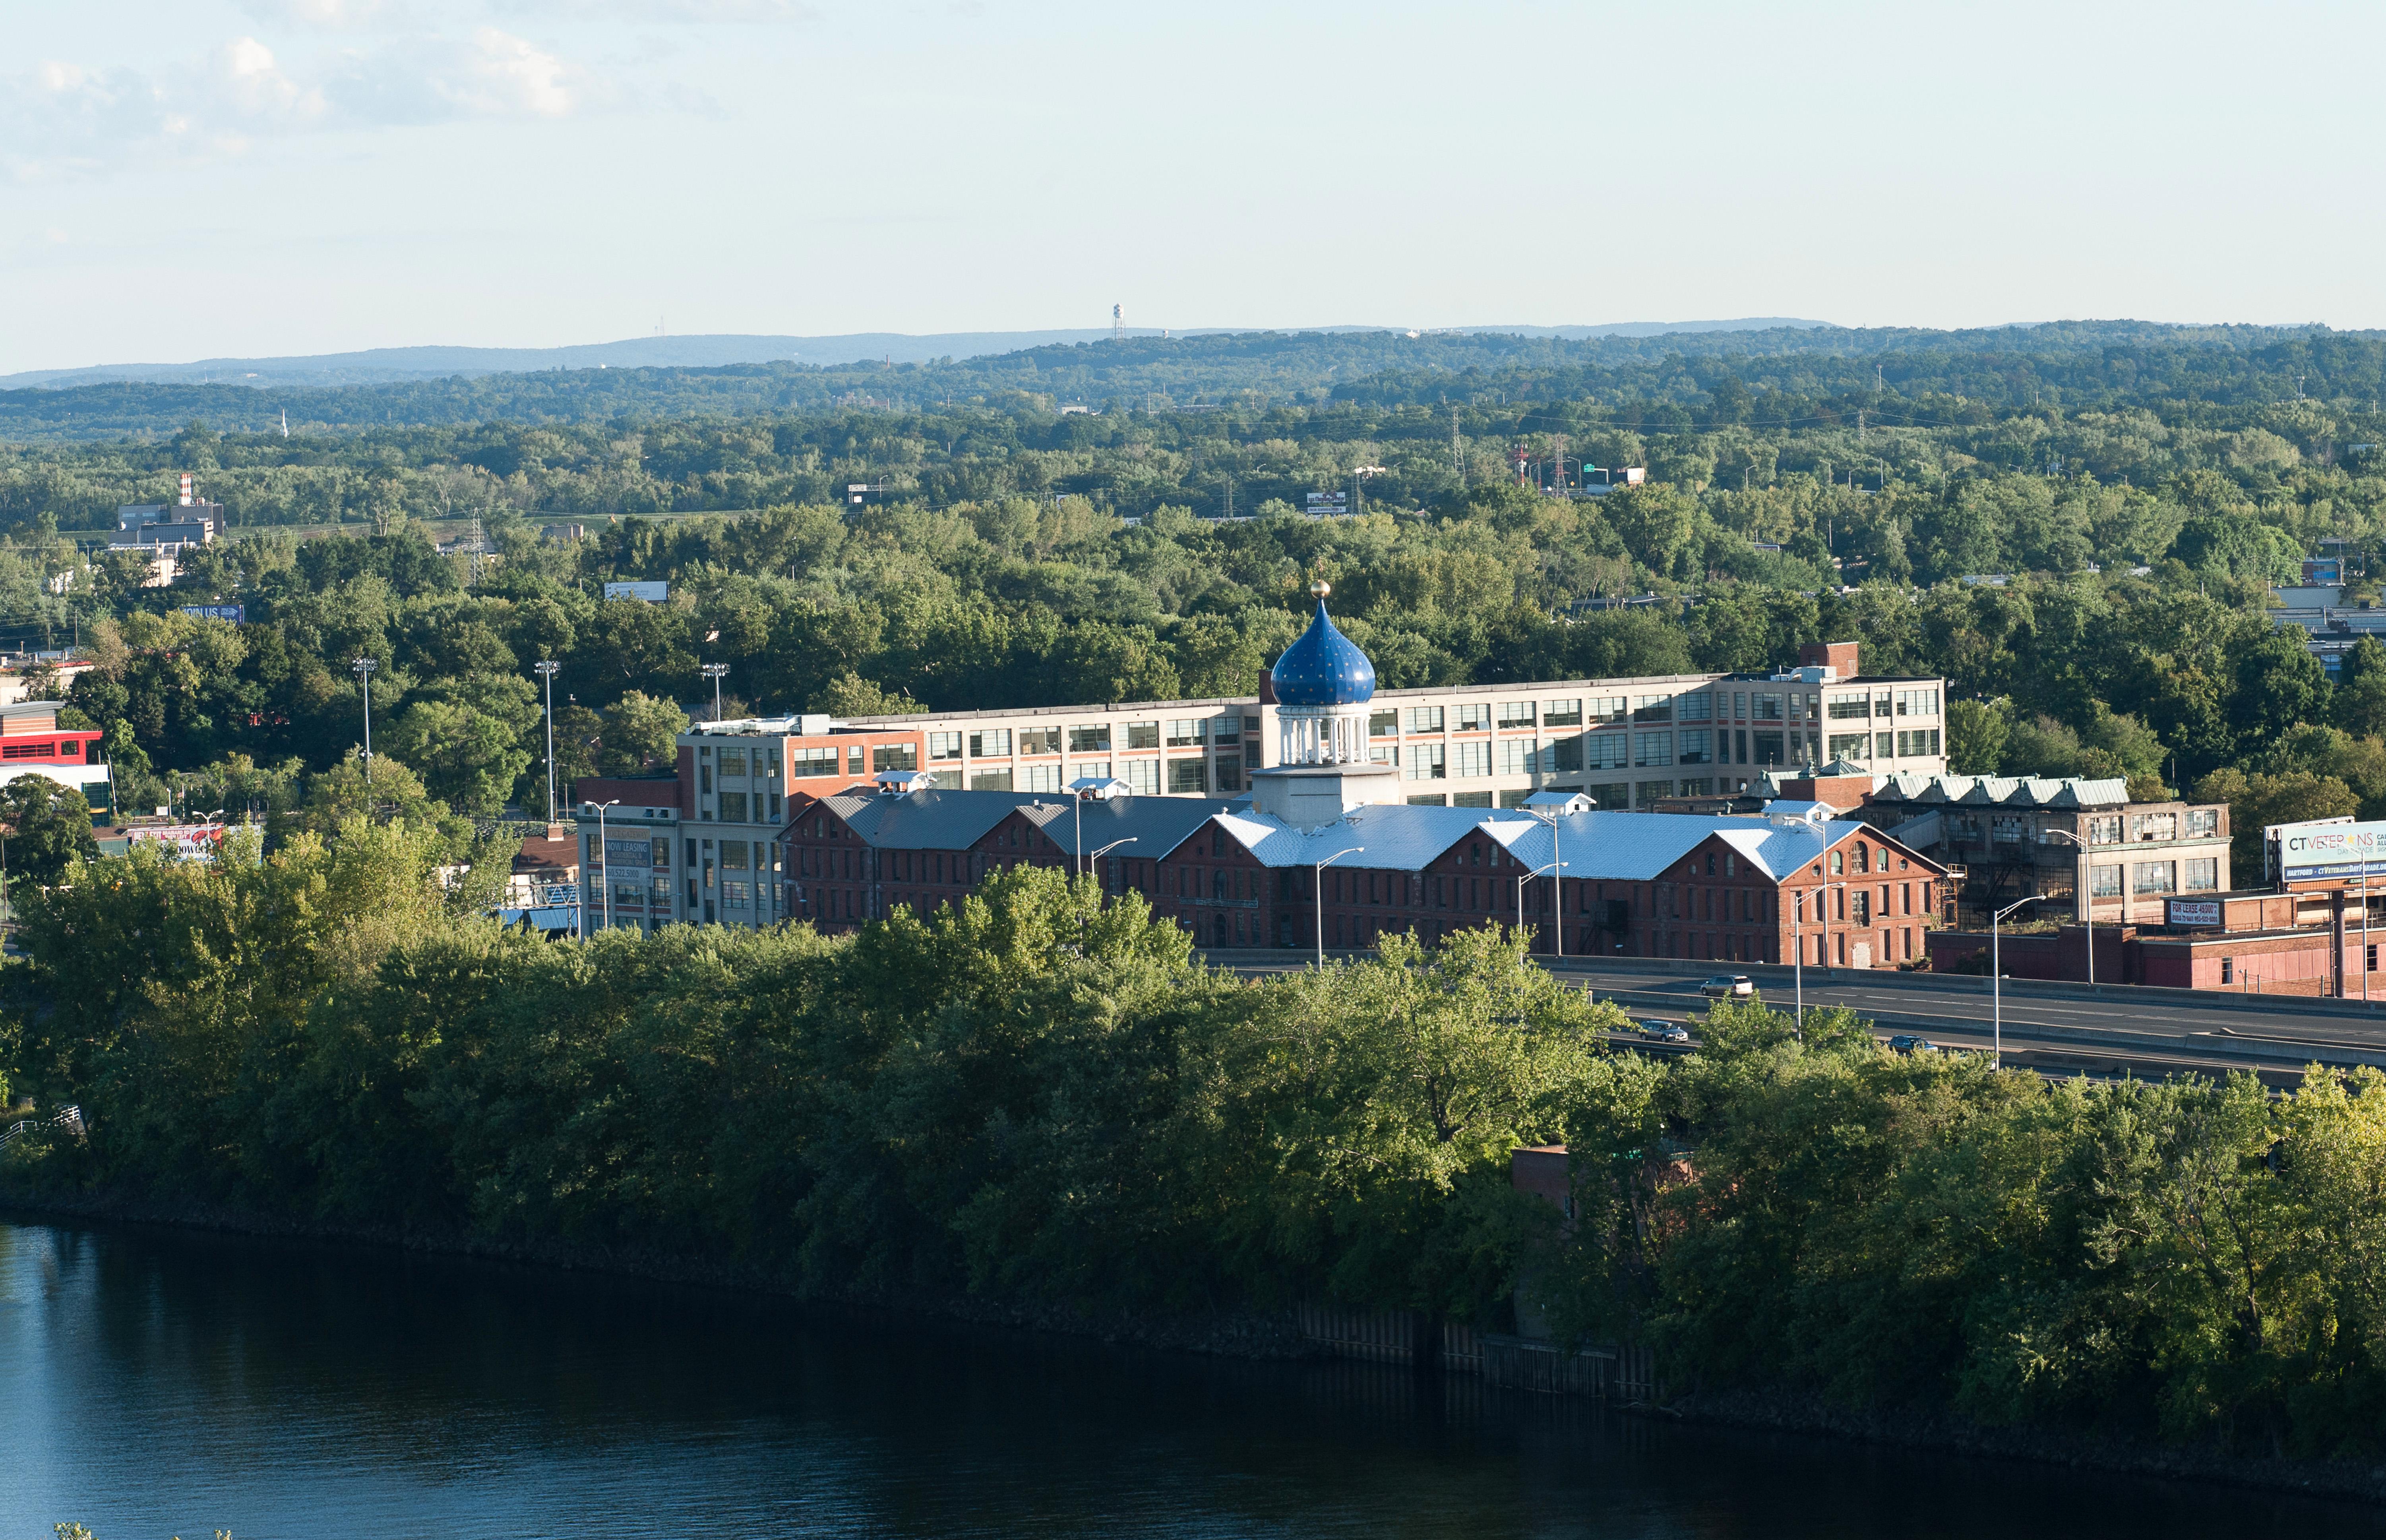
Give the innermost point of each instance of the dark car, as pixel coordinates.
(1906, 1043)
(1667, 1031)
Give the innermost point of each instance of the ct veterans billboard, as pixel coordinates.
(2315, 852)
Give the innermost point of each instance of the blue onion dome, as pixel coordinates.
(1323, 666)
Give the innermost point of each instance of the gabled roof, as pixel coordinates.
(934, 820)
(1598, 846)
(2109, 793)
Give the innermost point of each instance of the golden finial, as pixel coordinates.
(1320, 588)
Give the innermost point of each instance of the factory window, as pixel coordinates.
(1192, 732)
(993, 742)
(1515, 714)
(943, 745)
(893, 757)
(1143, 735)
(2154, 877)
(1653, 709)
(1421, 719)
(1563, 713)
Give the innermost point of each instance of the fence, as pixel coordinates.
(1392, 1336)
(1616, 1374)
(69, 1118)
(1627, 1373)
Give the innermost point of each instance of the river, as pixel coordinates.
(158, 1381)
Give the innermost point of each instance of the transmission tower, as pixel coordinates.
(1118, 323)
(1457, 455)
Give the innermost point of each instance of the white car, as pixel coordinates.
(1728, 986)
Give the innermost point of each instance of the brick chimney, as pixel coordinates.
(1837, 656)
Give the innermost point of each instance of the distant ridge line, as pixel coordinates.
(383, 365)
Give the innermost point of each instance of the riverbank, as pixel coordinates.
(1263, 1337)
(1227, 1333)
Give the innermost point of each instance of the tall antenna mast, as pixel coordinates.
(1118, 323)
(1457, 456)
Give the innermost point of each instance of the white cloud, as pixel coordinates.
(65, 118)
(339, 15)
(437, 79)
(656, 12)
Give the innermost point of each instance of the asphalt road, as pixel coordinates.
(2150, 1036)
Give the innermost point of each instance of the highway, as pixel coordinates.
(2148, 1033)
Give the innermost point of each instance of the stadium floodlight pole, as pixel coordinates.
(714, 672)
(546, 669)
(1996, 985)
(2087, 905)
(364, 667)
(1320, 885)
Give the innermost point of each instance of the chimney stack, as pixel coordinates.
(186, 489)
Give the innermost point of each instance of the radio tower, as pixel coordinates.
(1118, 323)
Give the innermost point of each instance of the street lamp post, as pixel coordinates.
(2087, 894)
(546, 669)
(715, 672)
(1107, 849)
(1527, 877)
(1552, 808)
(1318, 886)
(604, 865)
(1996, 985)
(364, 667)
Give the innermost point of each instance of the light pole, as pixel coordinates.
(1996, 985)
(2088, 896)
(364, 667)
(715, 672)
(546, 669)
(1527, 877)
(1107, 849)
(1552, 808)
(1318, 881)
(604, 866)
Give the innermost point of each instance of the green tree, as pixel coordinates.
(1977, 731)
(2258, 801)
(640, 733)
(467, 759)
(49, 826)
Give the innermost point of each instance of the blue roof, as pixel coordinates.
(1323, 667)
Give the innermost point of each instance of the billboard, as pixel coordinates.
(236, 614)
(191, 841)
(653, 593)
(1328, 505)
(2204, 912)
(2328, 850)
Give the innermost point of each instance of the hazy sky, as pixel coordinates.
(204, 177)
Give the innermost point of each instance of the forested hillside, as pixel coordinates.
(2133, 491)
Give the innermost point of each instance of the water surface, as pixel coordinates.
(159, 1381)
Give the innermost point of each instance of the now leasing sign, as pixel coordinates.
(2310, 852)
